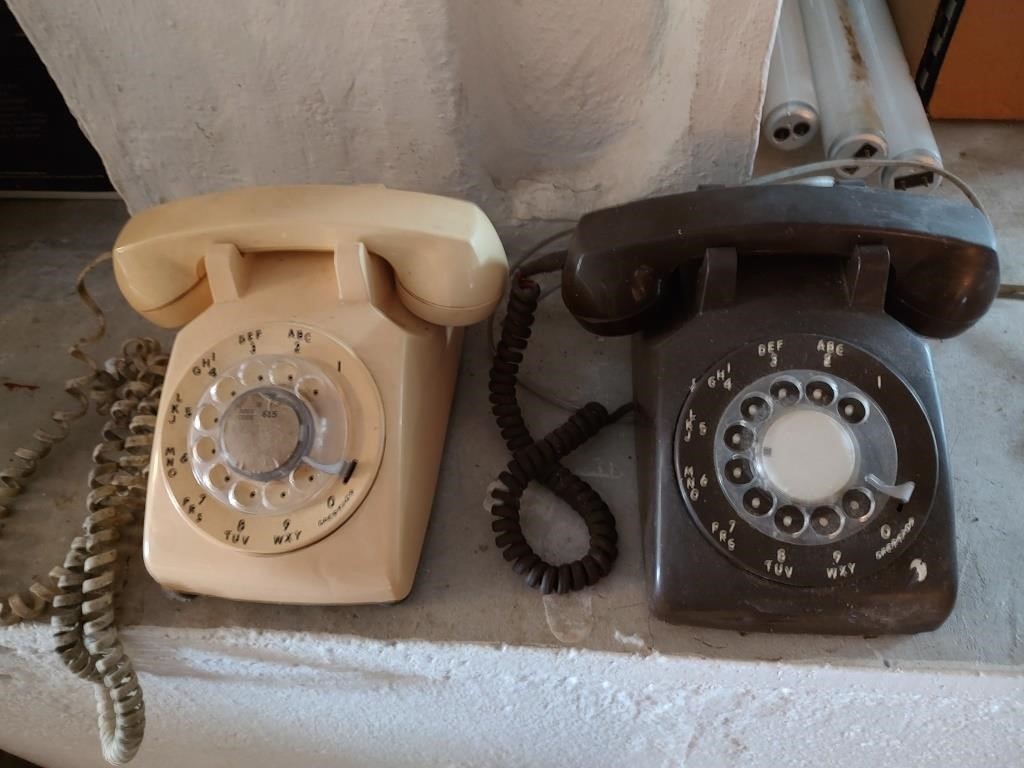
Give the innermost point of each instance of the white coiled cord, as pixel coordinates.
(82, 589)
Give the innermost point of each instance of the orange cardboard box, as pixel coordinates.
(967, 56)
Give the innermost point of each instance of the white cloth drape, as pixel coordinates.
(532, 108)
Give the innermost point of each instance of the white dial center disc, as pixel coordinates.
(808, 455)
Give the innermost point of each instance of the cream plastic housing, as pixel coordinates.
(448, 262)
(347, 316)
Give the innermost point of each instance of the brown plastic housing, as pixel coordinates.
(691, 582)
(706, 273)
(944, 269)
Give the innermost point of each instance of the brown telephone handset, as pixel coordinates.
(942, 277)
(789, 437)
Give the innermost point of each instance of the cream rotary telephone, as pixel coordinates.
(304, 408)
(288, 449)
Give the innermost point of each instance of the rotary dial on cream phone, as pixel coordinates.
(273, 438)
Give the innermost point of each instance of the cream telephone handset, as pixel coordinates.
(305, 403)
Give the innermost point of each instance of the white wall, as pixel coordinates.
(532, 108)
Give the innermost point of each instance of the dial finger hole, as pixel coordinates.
(218, 477)
(785, 391)
(790, 519)
(739, 437)
(254, 373)
(820, 392)
(284, 374)
(310, 388)
(225, 390)
(207, 418)
(853, 410)
(758, 501)
(738, 471)
(826, 521)
(857, 503)
(755, 408)
(277, 494)
(303, 477)
(244, 495)
(205, 449)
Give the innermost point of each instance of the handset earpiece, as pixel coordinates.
(452, 270)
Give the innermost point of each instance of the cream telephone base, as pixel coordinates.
(303, 414)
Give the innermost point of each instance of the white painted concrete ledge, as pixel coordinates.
(375, 703)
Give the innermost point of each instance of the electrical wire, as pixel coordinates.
(541, 460)
(82, 589)
(813, 169)
(528, 384)
(540, 245)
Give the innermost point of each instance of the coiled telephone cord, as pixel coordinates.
(540, 460)
(82, 589)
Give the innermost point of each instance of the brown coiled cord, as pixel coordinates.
(540, 460)
(82, 589)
